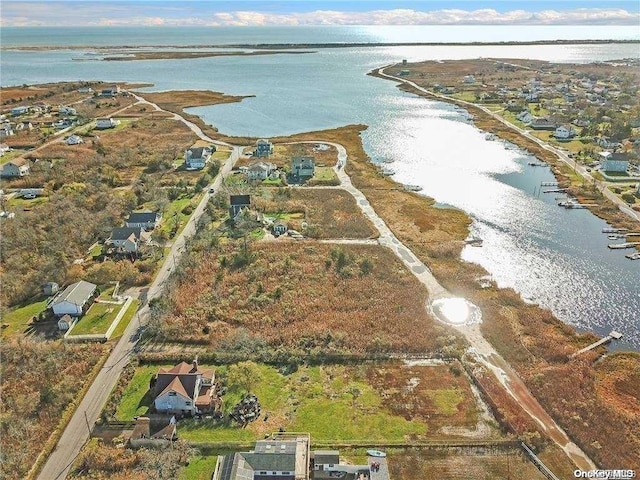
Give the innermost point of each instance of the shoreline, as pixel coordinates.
(502, 129)
(269, 46)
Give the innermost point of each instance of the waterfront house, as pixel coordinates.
(564, 132)
(128, 239)
(74, 300)
(195, 158)
(237, 203)
(264, 148)
(105, 123)
(4, 148)
(184, 389)
(260, 170)
(110, 91)
(302, 167)
(543, 123)
(16, 168)
(146, 220)
(74, 140)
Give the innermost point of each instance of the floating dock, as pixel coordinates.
(548, 184)
(612, 336)
(633, 256)
(614, 230)
(621, 246)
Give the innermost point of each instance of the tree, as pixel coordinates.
(243, 376)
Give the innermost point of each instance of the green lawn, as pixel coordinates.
(18, 319)
(126, 319)
(199, 468)
(272, 183)
(107, 293)
(324, 174)
(136, 397)
(173, 214)
(97, 320)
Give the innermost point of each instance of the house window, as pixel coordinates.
(188, 404)
(172, 394)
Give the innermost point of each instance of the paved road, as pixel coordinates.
(77, 432)
(481, 349)
(580, 169)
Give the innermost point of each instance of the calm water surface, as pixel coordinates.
(555, 257)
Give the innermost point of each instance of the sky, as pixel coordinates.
(331, 12)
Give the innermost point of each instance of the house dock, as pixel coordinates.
(554, 190)
(548, 184)
(612, 336)
(617, 246)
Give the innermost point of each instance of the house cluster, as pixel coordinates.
(25, 118)
(135, 233)
(196, 158)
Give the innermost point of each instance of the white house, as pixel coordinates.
(16, 168)
(85, 90)
(128, 239)
(73, 299)
(469, 79)
(104, 123)
(74, 140)
(260, 170)
(564, 132)
(195, 158)
(4, 148)
(184, 389)
(146, 220)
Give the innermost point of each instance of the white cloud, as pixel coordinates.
(57, 13)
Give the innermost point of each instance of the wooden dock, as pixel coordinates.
(618, 246)
(554, 190)
(612, 336)
(548, 184)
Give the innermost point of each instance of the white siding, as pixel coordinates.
(63, 308)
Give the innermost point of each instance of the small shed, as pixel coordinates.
(65, 322)
(50, 288)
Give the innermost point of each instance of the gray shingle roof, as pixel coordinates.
(122, 233)
(274, 462)
(76, 293)
(142, 217)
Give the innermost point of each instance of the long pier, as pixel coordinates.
(612, 336)
(617, 246)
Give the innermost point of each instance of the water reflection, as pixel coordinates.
(456, 311)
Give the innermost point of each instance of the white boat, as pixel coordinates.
(376, 453)
(413, 188)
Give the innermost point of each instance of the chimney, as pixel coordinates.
(195, 364)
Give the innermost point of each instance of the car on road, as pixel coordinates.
(211, 190)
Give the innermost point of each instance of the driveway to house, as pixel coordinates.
(77, 431)
(580, 169)
(480, 348)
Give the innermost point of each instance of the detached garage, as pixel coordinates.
(73, 299)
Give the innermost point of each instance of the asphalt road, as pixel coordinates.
(78, 430)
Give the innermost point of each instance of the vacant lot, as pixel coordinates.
(97, 319)
(40, 380)
(328, 213)
(351, 298)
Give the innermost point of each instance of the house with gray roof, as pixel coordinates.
(264, 148)
(303, 167)
(128, 239)
(283, 457)
(16, 168)
(73, 300)
(195, 158)
(146, 220)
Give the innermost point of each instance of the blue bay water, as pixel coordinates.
(555, 257)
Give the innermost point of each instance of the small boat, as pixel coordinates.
(490, 137)
(413, 188)
(387, 171)
(615, 236)
(474, 241)
(633, 256)
(376, 453)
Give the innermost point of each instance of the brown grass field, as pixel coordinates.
(301, 294)
(329, 213)
(39, 381)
